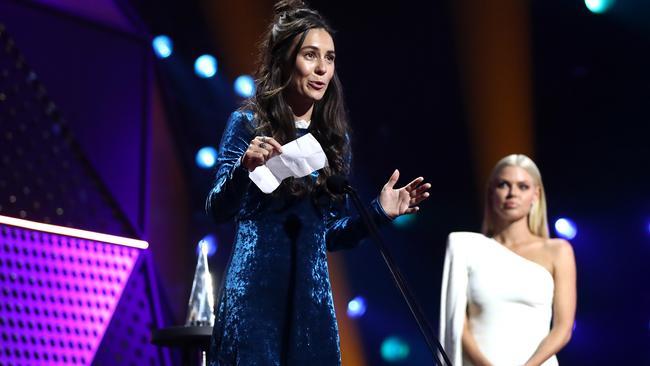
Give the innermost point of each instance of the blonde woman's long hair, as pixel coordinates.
(537, 218)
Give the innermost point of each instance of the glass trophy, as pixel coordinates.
(200, 307)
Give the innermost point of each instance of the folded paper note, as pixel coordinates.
(299, 158)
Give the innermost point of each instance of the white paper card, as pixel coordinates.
(299, 158)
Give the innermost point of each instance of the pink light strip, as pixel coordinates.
(83, 234)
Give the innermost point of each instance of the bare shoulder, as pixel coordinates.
(560, 249)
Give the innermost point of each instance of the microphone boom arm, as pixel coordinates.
(412, 303)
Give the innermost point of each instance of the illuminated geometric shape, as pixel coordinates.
(58, 293)
(201, 303)
(67, 231)
(128, 338)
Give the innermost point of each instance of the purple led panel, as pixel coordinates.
(57, 295)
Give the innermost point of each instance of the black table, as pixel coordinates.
(193, 341)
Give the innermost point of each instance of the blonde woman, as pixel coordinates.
(502, 289)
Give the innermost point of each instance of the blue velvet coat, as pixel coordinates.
(275, 306)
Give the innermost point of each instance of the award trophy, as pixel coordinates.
(201, 304)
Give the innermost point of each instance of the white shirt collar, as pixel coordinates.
(301, 123)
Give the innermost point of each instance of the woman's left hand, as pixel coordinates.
(401, 201)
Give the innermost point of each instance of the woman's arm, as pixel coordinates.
(564, 303)
(347, 232)
(453, 294)
(232, 179)
(470, 347)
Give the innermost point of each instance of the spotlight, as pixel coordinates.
(162, 46)
(205, 66)
(206, 157)
(394, 349)
(356, 307)
(245, 86)
(566, 228)
(208, 244)
(599, 6)
(405, 221)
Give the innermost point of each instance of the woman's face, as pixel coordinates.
(314, 67)
(513, 193)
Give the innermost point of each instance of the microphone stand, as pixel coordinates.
(413, 305)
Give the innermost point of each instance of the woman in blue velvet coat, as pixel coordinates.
(275, 306)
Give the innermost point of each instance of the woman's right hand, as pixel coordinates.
(260, 150)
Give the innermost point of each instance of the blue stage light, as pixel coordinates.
(599, 6)
(245, 86)
(162, 46)
(356, 307)
(566, 228)
(405, 221)
(394, 349)
(205, 66)
(206, 157)
(211, 245)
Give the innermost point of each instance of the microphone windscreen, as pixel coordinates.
(337, 184)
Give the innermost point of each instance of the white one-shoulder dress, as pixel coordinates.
(507, 298)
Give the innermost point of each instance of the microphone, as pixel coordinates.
(339, 185)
